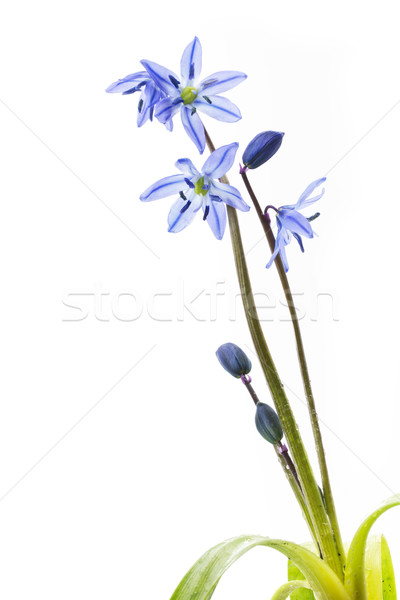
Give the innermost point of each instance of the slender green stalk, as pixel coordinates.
(298, 495)
(326, 486)
(311, 491)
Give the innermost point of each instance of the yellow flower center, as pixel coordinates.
(198, 187)
(188, 95)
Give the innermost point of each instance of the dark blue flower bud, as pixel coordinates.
(268, 423)
(262, 148)
(233, 359)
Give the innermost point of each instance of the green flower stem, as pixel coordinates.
(326, 486)
(289, 463)
(298, 495)
(311, 491)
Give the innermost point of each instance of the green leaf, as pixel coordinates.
(296, 586)
(379, 570)
(201, 580)
(355, 581)
(294, 574)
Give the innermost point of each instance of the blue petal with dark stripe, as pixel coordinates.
(230, 195)
(191, 61)
(221, 82)
(216, 218)
(295, 222)
(150, 96)
(305, 199)
(178, 219)
(219, 108)
(166, 109)
(299, 241)
(128, 83)
(164, 187)
(161, 76)
(194, 128)
(186, 167)
(220, 161)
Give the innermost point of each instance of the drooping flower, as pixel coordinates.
(262, 148)
(200, 190)
(150, 95)
(291, 222)
(184, 94)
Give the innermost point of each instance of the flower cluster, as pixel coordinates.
(164, 93)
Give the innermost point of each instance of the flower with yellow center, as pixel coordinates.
(185, 95)
(199, 190)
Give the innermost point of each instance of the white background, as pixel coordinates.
(164, 460)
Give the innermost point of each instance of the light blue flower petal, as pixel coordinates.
(127, 83)
(144, 112)
(299, 240)
(163, 77)
(169, 125)
(295, 222)
(285, 263)
(191, 61)
(220, 161)
(183, 212)
(194, 128)
(304, 199)
(221, 82)
(149, 97)
(164, 187)
(220, 108)
(230, 195)
(166, 109)
(186, 167)
(216, 218)
(278, 245)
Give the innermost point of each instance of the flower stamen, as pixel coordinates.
(174, 81)
(189, 183)
(188, 203)
(189, 95)
(200, 188)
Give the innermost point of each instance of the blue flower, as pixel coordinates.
(186, 95)
(199, 190)
(150, 95)
(290, 222)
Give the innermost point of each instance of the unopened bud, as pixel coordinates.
(268, 423)
(234, 360)
(262, 148)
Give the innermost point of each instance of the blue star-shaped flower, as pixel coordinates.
(200, 190)
(150, 94)
(186, 95)
(290, 222)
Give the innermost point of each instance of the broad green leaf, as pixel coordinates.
(355, 581)
(294, 574)
(201, 580)
(292, 586)
(379, 572)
